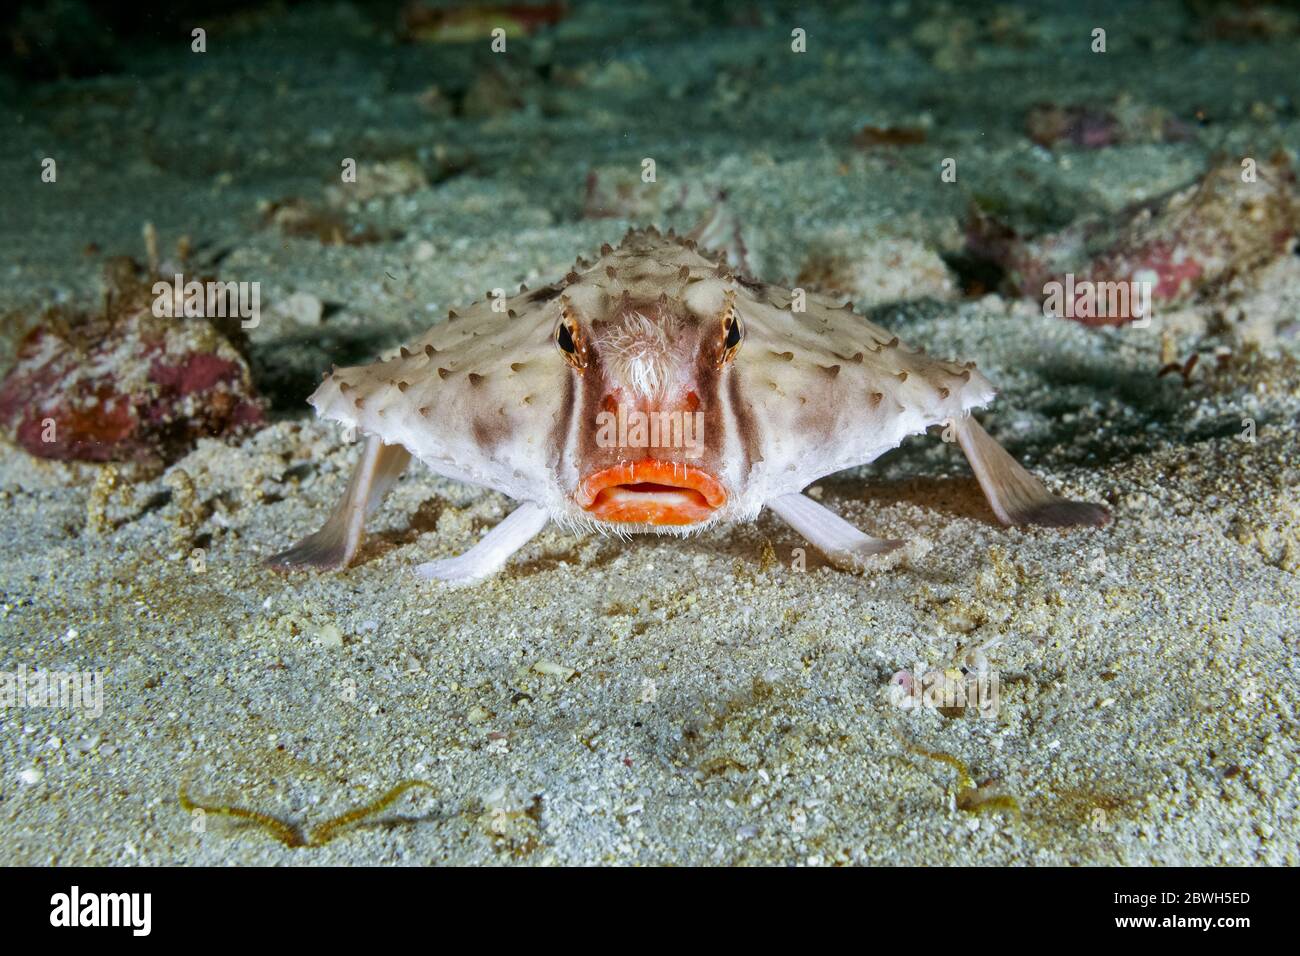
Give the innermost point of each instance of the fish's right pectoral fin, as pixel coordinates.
(335, 544)
(492, 552)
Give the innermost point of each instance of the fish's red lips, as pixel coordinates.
(651, 492)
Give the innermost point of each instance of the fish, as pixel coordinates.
(658, 388)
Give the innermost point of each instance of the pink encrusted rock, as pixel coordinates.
(1100, 125)
(126, 386)
(1185, 244)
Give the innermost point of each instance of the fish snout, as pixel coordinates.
(651, 491)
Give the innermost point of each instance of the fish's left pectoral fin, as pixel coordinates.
(1016, 496)
(844, 545)
(491, 554)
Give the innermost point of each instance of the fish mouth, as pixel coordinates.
(651, 492)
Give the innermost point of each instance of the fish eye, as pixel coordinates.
(569, 341)
(733, 332)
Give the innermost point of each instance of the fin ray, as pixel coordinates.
(335, 544)
(843, 544)
(1016, 496)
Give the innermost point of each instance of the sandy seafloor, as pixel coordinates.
(661, 701)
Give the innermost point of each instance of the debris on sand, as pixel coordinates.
(1182, 247)
(124, 384)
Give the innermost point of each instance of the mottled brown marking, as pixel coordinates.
(545, 294)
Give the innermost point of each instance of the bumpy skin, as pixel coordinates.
(510, 394)
(487, 398)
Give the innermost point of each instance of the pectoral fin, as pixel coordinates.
(492, 552)
(336, 543)
(1017, 496)
(844, 545)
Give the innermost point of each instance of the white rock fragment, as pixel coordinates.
(327, 635)
(551, 669)
(302, 307)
